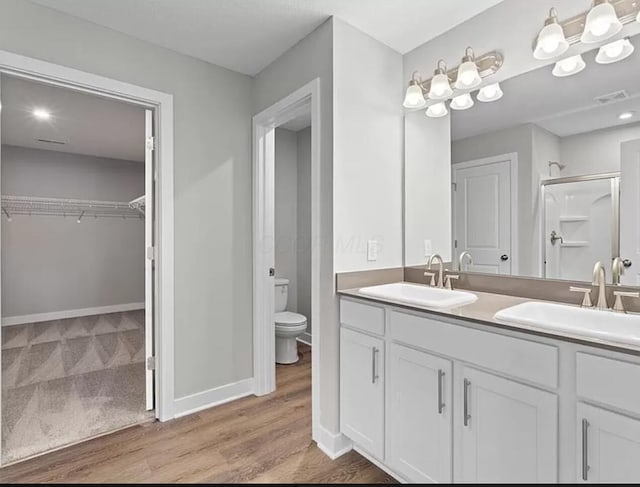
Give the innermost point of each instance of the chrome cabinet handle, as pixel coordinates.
(440, 401)
(467, 416)
(374, 365)
(585, 450)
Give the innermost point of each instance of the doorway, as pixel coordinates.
(157, 108)
(484, 213)
(302, 104)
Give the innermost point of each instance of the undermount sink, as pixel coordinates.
(420, 295)
(605, 325)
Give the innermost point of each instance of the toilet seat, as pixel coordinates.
(286, 319)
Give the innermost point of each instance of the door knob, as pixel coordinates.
(504, 257)
(627, 263)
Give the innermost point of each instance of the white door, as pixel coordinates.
(608, 446)
(630, 212)
(362, 390)
(149, 262)
(509, 431)
(419, 419)
(482, 214)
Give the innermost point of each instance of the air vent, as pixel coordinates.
(611, 97)
(50, 141)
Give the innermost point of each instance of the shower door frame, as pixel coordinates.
(162, 105)
(615, 204)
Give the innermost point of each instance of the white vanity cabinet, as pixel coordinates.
(362, 390)
(509, 431)
(420, 412)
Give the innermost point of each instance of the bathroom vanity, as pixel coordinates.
(456, 396)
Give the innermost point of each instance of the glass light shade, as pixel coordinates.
(468, 76)
(414, 97)
(602, 23)
(462, 102)
(551, 42)
(569, 66)
(490, 93)
(440, 88)
(437, 110)
(614, 51)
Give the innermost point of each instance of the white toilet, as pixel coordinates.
(289, 325)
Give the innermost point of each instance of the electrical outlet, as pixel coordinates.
(372, 250)
(428, 249)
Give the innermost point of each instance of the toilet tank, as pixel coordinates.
(281, 294)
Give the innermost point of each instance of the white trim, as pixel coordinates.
(54, 74)
(213, 397)
(306, 338)
(264, 124)
(70, 313)
(334, 445)
(512, 157)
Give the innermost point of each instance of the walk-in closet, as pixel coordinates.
(76, 316)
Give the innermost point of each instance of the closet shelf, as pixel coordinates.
(576, 243)
(31, 205)
(138, 204)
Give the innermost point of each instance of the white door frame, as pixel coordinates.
(162, 104)
(512, 157)
(264, 124)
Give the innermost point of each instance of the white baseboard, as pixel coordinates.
(70, 313)
(212, 397)
(333, 445)
(305, 338)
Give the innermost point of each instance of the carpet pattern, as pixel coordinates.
(67, 380)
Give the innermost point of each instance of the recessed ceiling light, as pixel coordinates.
(41, 114)
(626, 115)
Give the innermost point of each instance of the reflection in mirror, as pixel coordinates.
(545, 181)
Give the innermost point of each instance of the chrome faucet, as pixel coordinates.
(439, 282)
(617, 269)
(600, 280)
(462, 257)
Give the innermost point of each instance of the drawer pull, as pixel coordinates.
(440, 400)
(467, 416)
(374, 364)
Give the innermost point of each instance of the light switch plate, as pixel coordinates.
(428, 249)
(372, 250)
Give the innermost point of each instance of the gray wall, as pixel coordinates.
(52, 263)
(213, 329)
(303, 267)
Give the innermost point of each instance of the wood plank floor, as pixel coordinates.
(256, 439)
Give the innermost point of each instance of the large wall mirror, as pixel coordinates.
(543, 182)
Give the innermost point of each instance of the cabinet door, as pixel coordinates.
(362, 390)
(509, 431)
(419, 419)
(608, 446)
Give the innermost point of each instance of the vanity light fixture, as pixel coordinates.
(462, 102)
(414, 98)
(626, 115)
(468, 75)
(602, 23)
(551, 41)
(490, 93)
(569, 66)
(437, 110)
(440, 88)
(41, 113)
(615, 51)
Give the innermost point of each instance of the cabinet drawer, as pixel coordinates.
(531, 361)
(608, 381)
(366, 317)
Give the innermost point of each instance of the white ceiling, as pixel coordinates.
(247, 35)
(563, 106)
(87, 124)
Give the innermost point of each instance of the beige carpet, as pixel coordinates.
(67, 380)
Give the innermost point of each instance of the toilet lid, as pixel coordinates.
(289, 318)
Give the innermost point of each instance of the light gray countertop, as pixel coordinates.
(483, 310)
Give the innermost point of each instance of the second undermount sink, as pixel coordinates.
(605, 325)
(420, 295)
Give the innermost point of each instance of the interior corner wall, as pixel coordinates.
(368, 150)
(212, 180)
(309, 59)
(53, 264)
